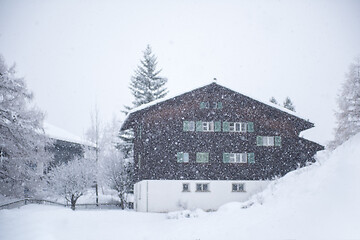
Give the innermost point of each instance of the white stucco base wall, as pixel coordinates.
(168, 195)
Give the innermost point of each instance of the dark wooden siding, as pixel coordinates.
(159, 136)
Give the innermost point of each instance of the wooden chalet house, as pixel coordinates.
(210, 146)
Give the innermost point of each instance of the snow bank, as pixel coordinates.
(321, 201)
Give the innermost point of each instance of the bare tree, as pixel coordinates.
(93, 135)
(348, 115)
(72, 179)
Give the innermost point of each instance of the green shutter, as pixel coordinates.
(250, 127)
(180, 157)
(226, 126)
(226, 157)
(251, 158)
(259, 140)
(219, 105)
(217, 126)
(202, 157)
(199, 126)
(202, 105)
(186, 126)
(206, 157)
(278, 141)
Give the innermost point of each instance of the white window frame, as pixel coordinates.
(237, 157)
(208, 126)
(268, 141)
(237, 127)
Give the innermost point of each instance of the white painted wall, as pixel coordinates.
(168, 195)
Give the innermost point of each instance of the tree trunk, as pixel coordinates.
(97, 194)
(122, 201)
(73, 202)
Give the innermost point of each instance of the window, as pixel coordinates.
(202, 187)
(188, 126)
(268, 141)
(202, 157)
(207, 126)
(212, 105)
(238, 158)
(238, 187)
(182, 157)
(186, 187)
(204, 105)
(238, 127)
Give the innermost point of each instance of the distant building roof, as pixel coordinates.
(61, 134)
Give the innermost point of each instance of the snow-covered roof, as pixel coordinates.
(144, 106)
(61, 134)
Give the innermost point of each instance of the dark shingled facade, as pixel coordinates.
(162, 132)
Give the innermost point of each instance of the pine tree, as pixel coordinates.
(348, 116)
(273, 100)
(22, 140)
(288, 104)
(146, 85)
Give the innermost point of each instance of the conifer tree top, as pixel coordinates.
(146, 84)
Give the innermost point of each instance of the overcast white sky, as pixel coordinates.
(75, 54)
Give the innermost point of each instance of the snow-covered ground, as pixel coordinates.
(321, 201)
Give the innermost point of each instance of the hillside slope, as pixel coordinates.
(321, 201)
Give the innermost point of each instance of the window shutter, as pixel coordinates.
(202, 105)
(206, 157)
(199, 127)
(250, 127)
(186, 157)
(217, 126)
(226, 126)
(185, 126)
(219, 105)
(259, 140)
(202, 157)
(226, 157)
(278, 141)
(180, 157)
(251, 157)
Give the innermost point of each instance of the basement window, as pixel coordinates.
(202, 187)
(186, 187)
(238, 187)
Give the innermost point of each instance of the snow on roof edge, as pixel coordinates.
(245, 94)
(61, 134)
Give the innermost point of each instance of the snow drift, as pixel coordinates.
(321, 201)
